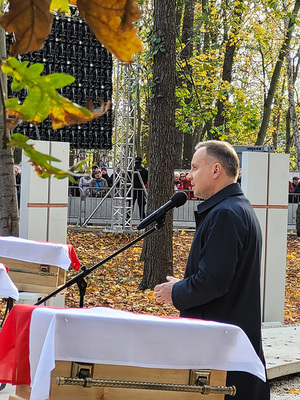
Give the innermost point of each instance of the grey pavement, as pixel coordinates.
(282, 351)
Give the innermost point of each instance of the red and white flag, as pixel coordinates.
(33, 337)
(7, 287)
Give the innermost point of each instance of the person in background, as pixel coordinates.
(140, 174)
(85, 184)
(99, 185)
(222, 276)
(94, 169)
(177, 183)
(294, 187)
(18, 183)
(185, 185)
(239, 179)
(106, 176)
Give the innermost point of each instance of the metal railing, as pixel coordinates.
(96, 210)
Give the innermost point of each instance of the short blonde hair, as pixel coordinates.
(223, 153)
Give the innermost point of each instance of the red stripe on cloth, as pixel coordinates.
(75, 263)
(14, 346)
(5, 266)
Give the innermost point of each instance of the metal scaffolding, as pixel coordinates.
(123, 145)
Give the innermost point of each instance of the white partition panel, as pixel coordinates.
(264, 182)
(255, 177)
(274, 294)
(44, 202)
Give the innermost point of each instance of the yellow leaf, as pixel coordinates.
(112, 23)
(68, 113)
(61, 5)
(293, 390)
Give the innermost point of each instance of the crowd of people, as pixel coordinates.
(181, 182)
(294, 190)
(95, 182)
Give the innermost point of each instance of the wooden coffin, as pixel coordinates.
(32, 277)
(126, 373)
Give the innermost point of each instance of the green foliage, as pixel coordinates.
(40, 161)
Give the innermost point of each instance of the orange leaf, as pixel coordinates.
(31, 22)
(131, 14)
(68, 113)
(293, 390)
(111, 22)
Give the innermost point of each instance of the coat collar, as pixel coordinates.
(233, 189)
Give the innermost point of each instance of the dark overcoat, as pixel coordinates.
(222, 277)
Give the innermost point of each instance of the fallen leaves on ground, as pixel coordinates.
(292, 283)
(115, 283)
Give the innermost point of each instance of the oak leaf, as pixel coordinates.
(112, 23)
(40, 161)
(30, 21)
(43, 99)
(110, 20)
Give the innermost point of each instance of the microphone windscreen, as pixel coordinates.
(179, 199)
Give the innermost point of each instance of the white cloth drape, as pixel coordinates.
(35, 252)
(107, 336)
(7, 287)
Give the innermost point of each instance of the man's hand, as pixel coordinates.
(163, 292)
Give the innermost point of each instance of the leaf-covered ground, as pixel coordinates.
(115, 283)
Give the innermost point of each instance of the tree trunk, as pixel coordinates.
(9, 216)
(184, 76)
(288, 136)
(158, 247)
(277, 116)
(275, 77)
(230, 51)
(185, 55)
(292, 108)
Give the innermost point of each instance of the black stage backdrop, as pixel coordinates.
(73, 49)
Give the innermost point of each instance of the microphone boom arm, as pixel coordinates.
(79, 279)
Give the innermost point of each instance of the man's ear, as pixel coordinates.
(217, 170)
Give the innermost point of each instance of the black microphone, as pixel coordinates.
(177, 200)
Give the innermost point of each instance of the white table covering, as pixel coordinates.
(35, 252)
(7, 287)
(106, 336)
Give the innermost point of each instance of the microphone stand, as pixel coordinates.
(79, 279)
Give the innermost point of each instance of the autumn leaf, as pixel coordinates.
(41, 161)
(295, 391)
(68, 113)
(43, 99)
(111, 21)
(30, 21)
(62, 5)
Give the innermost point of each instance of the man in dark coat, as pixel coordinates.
(140, 180)
(222, 277)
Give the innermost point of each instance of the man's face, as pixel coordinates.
(202, 168)
(295, 181)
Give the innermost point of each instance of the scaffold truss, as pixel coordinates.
(123, 145)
